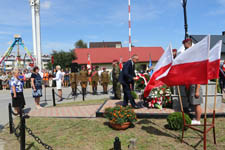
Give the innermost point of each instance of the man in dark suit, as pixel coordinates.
(127, 77)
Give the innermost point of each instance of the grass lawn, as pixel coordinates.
(95, 134)
(82, 103)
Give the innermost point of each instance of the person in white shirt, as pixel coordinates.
(59, 81)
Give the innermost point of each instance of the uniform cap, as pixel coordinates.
(187, 40)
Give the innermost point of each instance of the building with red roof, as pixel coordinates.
(103, 57)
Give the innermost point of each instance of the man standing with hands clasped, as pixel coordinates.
(127, 77)
(194, 92)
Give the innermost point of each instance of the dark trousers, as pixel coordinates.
(0, 84)
(127, 95)
(222, 84)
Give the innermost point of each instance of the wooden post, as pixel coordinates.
(182, 110)
(205, 116)
(214, 113)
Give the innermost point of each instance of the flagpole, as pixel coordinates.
(205, 116)
(129, 23)
(214, 113)
(182, 111)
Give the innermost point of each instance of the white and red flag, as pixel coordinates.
(121, 63)
(89, 62)
(163, 64)
(190, 67)
(214, 61)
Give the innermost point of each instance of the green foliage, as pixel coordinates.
(140, 84)
(80, 44)
(120, 115)
(62, 58)
(134, 94)
(175, 121)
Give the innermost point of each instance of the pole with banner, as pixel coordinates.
(129, 22)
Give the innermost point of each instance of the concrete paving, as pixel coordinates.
(5, 99)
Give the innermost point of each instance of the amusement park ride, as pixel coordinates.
(17, 42)
(37, 55)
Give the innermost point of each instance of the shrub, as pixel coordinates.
(120, 115)
(134, 94)
(175, 121)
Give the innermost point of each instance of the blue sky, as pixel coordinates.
(154, 22)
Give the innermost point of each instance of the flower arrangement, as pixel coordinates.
(120, 115)
(142, 81)
(159, 97)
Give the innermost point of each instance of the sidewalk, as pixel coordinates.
(1, 144)
(88, 111)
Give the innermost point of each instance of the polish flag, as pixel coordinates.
(121, 63)
(163, 64)
(89, 62)
(214, 61)
(190, 67)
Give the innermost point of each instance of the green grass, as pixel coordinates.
(81, 103)
(95, 134)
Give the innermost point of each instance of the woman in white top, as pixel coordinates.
(59, 81)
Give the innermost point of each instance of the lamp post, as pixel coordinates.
(184, 4)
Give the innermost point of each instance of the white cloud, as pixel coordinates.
(46, 4)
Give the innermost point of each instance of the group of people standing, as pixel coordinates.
(91, 76)
(5, 77)
(17, 86)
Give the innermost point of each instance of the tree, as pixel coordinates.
(80, 44)
(62, 58)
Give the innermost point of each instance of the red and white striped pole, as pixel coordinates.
(129, 28)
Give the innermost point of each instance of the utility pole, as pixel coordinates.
(184, 4)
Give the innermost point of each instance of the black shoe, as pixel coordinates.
(135, 107)
(60, 100)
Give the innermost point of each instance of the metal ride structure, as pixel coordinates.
(17, 42)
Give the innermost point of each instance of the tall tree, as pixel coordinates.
(80, 44)
(62, 58)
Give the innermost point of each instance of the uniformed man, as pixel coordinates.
(194, 92)
(94, 80)
(116, 83)
(105, 80)
(83, 78)
(73, 76)
(174, 53)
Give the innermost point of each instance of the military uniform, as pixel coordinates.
(73, 81)
(116, 83)
(83, 78)
(105, 81)
(94, 81)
